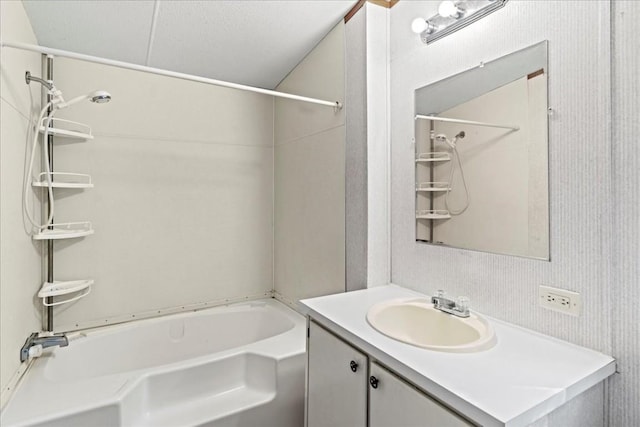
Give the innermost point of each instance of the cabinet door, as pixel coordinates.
(337, 382)
(395, 403)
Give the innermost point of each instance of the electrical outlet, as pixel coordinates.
(560, 300)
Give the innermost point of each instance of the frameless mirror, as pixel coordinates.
(481, 163)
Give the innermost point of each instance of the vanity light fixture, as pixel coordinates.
(449, 9)
(453, 15)
(419, 26)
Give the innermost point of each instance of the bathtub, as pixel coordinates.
(237, 365)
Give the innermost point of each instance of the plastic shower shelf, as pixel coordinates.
(432, 187)
(68, 230)
(66, 129)
(435, 156)
(53, 289)
(64, 180)
(433, 214)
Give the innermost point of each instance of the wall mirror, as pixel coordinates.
(481, 165)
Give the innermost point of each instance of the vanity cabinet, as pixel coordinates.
(336, 381)
(527, 379)
(347, 388)
(393, 403)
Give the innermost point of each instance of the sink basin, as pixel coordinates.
(415, 321)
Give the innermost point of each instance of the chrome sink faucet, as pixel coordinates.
(34, 345)
(458, 308)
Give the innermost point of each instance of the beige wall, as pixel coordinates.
(19, 255)
(182, 205)
(310, 177)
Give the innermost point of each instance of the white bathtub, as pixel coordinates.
(238, 365)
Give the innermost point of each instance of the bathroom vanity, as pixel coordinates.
(357, 377)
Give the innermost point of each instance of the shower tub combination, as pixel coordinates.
(237, 365)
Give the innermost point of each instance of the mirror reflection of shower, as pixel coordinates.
(452, 144)
(502, 107)
(56, 102)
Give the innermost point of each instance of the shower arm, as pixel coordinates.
(29, 78)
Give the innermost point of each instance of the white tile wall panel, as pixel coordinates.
(310, 216)
(152, 106)
(183, 197)
(319, 75)
(176, 223)
(309, 141)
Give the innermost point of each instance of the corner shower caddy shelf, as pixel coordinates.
(65, 180)
(64, 288)
(434, 156)
(75, 289)
(66, 129)
(66, 230)
(433, 186)
(430, 158)
(433, 214)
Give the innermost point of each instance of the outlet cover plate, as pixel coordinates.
(560, 300)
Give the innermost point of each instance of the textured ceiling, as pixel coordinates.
(253, 42)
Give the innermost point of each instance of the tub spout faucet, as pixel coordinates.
(458, 308)
(34, 345)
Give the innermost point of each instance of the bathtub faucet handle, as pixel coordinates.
(34, 344)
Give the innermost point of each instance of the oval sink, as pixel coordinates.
(415, 321)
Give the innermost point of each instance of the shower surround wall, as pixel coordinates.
(20, 259)
(309, 143)
(182, 205)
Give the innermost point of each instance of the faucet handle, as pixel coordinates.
(463, 304)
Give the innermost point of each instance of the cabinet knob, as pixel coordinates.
(353, 365)
(373, 381)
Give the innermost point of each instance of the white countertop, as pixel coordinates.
(523, 378)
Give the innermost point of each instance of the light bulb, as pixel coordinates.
(448, 9)
(418, 25)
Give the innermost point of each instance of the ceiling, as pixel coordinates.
(252, 42)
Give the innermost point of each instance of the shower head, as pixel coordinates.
(99, 97)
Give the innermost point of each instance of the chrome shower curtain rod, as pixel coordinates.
(467, 122)
(72, 55)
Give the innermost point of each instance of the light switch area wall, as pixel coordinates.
(310, 177)
(625, 283)
(377, 144)
(356, 167)
(182, 205)
(505, 172)
(367, 165)
(580, 235)
(593, 179)
(20, 276)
